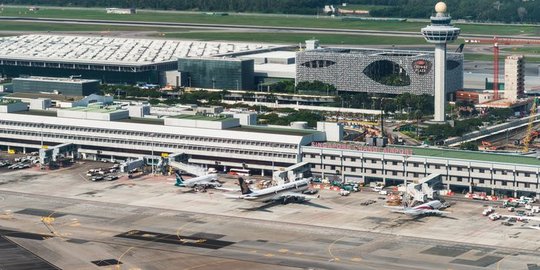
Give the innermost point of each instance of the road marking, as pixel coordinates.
(334, 258)
(283, 250)
(356, 259)
(268, 255)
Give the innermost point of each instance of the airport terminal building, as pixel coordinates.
(222, 143)
(377, 70)
(108, 59)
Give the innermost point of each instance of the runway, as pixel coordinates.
(244, 27)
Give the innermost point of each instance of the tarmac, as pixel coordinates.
(61, 220)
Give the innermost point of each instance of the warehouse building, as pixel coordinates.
(377, 70)
(63, 86)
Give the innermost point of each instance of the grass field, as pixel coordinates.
(489, 57)
(362, 7)
(65, 27)
(291, 21)
(523, 50)
(292, 38)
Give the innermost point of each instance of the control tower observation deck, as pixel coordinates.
(440, 32)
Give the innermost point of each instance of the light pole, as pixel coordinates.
(237, 85)
(41, 133)
(152, 158)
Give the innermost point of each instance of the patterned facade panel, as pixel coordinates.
(378, 71)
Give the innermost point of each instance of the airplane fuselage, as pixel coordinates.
(271, 193)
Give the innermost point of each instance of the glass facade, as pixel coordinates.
(68, 88)
(149, 76)
(217, 73)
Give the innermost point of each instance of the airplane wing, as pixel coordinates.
(422, 212)
(397, 208)
(227, 189)
(291, 195)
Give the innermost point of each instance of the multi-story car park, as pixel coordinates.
(377, 70)
(223, 143)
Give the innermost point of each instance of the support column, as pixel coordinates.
(440, 82)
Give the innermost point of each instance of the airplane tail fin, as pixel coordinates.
(179, 179)
(244, 186)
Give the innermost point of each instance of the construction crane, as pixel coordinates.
(529, 135)
(498, 41)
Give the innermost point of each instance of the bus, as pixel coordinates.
(239, 172)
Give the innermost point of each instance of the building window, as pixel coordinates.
(415, 175)
(394, 173)
(332, 168)
(373, 161)
(312, 155)
(416, 165)
(353, 159)
(373, 171)
(332, 158)
(353, 169)
(482, 170)
(394, 162)
(503, 183)
(527, 175)
(527, 185)
(460, 179)
(437, 166)
(481, 181)
(504, 172)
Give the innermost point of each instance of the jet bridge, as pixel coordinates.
(54, 154)
(423, 190)
(292, 173)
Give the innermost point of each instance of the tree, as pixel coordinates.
(471, 146)
(522, 12)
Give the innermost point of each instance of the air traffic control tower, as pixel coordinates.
(440, 32)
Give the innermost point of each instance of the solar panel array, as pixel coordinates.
(109, 50)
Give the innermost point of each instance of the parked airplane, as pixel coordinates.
(199, 183)
(289, 192)
(426, 209)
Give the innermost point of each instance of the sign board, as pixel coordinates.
(165, 155)
(348, 146)
(11, 151)
(421, 66)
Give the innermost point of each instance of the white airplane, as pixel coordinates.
(289, 192)
(199, 183)
(426, 209)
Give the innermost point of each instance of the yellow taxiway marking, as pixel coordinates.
(334, 258)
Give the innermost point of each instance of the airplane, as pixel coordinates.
(289, 192)
(426, 209)
(200, 183)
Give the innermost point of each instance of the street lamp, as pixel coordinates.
(152, 157)
(41, 133)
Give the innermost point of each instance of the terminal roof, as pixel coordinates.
(112, 50)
